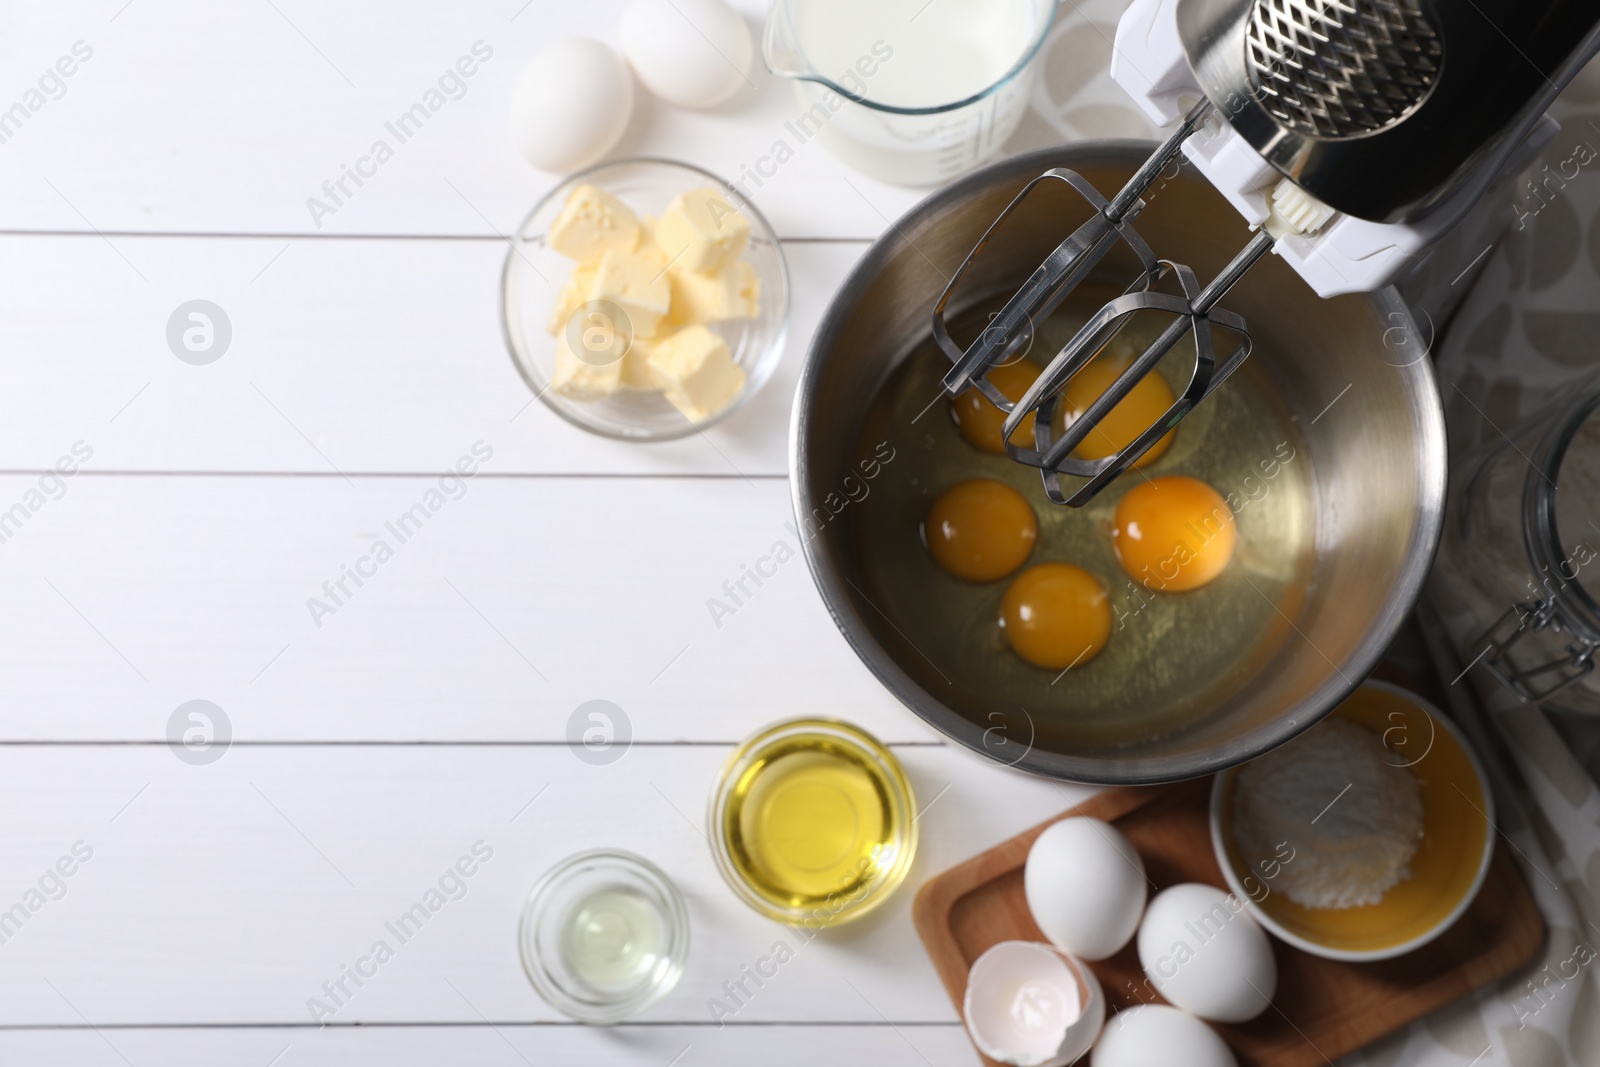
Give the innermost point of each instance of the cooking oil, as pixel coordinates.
(810, 824)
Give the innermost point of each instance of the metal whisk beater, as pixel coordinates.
(1192, 309)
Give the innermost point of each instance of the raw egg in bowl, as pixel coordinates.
(1327, 458)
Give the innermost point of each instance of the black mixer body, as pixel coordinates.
(1383, 109)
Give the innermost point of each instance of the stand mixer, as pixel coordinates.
(1351, 135)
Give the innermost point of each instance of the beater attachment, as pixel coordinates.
(1162, 286)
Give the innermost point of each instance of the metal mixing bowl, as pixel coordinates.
(1378, 458)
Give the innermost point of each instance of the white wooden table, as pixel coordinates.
(430, 711)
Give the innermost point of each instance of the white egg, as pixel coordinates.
(572, 103)
(1029, 1005)
(1085, 885)
(693, 53)
(1154, 1035)
(1202, 952)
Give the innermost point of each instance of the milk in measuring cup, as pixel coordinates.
(910, 91)
(941, 51)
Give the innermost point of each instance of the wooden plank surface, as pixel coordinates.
(228, 893)
(196, 118)
(504, 1044)
(432, 707)
(347, 356)
(519, 599)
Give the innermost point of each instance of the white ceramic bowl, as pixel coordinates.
(1454, 814)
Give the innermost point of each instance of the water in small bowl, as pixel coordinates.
(604, 935)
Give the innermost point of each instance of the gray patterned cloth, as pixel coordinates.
(1527, 332)
(1528, 328)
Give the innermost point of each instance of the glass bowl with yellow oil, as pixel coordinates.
(603, 936)
(812, 822)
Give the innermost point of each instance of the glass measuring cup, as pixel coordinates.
(914, 92)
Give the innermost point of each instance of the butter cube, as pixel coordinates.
(636, 365)
(580, 380)
(701, 231)
(637, 285)
(574, 292)
(647, 236)
(646, 251)
(695, 371)
(592, 221)
(732, 294)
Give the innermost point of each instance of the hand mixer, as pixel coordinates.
(1352, 135)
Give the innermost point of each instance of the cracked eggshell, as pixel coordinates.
(571, 105)
(1203, 952)
(1031, 1005)
(1085, 885)
(1154, 1035)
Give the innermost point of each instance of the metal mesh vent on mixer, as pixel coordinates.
(1341, 68)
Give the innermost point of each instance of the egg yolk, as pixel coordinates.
(1173, 533)
(1056, 615)
(1133, 415)
(981, 423)
(980, 530)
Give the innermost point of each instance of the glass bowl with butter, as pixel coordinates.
(645, 299)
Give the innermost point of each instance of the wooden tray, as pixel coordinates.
(1323, 1009)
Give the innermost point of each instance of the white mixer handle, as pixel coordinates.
(1374, 110)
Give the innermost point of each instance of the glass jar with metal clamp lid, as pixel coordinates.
(1521, 552)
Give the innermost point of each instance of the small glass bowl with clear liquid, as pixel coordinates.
(604, 935)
